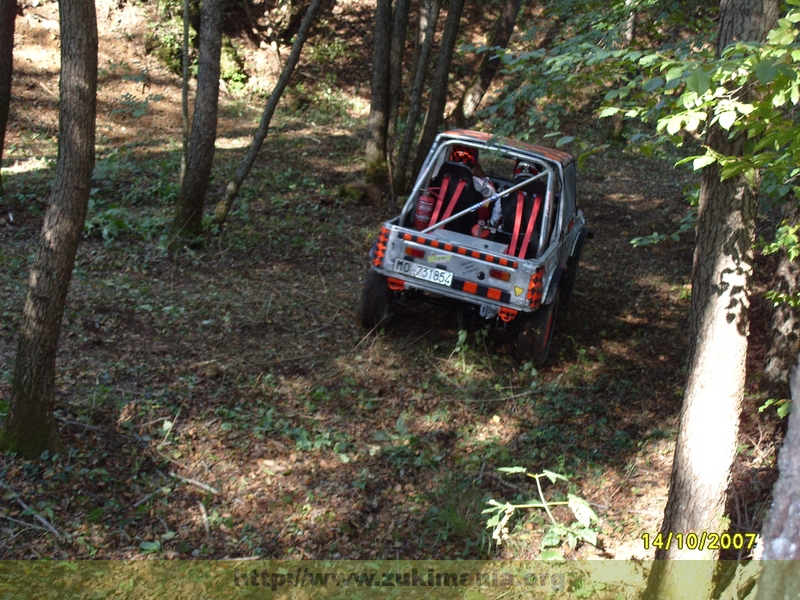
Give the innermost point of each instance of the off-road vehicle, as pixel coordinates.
(492, 224)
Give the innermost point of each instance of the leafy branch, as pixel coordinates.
(584, 529)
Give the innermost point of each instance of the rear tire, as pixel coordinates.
(568, 280)
(375, 301)
(536, 334)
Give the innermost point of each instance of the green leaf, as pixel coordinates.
(727, 119)
(653, 84)
(551, 555)
(699, 82)
(563, 141)
(609, 111)
(513, 469)
(703, 161)
(784, 409)
(674, 124)
(581, 509)
(553, 477)
(150, 547)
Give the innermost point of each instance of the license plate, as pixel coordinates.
(421, 272)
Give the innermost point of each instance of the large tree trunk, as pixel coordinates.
(232, 189)
(31, 426)
(435, 114)
(188, 221)
(490, 65)
(8, 16)
(429, 15)
(379, 94)
(784, 339)
(780, 577)
(718, 343)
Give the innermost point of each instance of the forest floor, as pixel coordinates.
(225, 402)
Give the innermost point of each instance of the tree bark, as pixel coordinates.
(232, 189)
(185, 90)
(379, 94)
(490, 65)
(779, 578)
(438, 99)
(8, 16)
(784, 339)
(31, 426)
(188, 221)
(718, 343)
(429, 15)
(399, 28)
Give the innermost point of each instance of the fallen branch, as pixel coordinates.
(36, 515)
(504, 398)
(195, 483)
(205, 518)
(18, 522)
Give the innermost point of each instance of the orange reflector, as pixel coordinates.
(498, 274)
(397, 285)
(415, 252)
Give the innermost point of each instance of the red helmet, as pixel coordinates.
(524, 170)
(464, 154)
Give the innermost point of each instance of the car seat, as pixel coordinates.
(522, 220)
(454, 191)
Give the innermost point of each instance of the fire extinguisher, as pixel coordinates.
(423, 211)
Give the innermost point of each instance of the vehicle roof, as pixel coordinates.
(492, 140)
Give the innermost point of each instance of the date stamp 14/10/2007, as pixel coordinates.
(705, 540)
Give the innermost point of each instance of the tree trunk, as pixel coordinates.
(779, 578)
(185, 90)
(718, 343)
(232, 189)
(435, 114)
(490, 65)
(31, 426)
(784, 339)
(629, 30)
(399, 28)
(429, 15)
(379, 94)
(8, 16)
(188, 221)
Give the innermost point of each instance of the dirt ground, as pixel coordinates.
(225, 402)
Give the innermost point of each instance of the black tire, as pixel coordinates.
(568, 280)
(375, 301)
(536, 333)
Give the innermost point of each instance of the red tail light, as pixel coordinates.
(498, 274)
(415, 252)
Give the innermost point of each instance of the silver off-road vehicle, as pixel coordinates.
(491, 223)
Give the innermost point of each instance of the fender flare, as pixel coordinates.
(552, 289)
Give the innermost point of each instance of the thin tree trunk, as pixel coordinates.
(629, 31)
(422, 53)
(784, 339)
(8, 16)
(31, 427)
(232, 189)
(435, 114)
(200, 156)
(379, 94)
(399, 28)
(490, 65)
(185, 90)
(718, 343)
(780, 577)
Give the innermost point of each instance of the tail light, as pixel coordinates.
(415, 252)
(498, 274)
